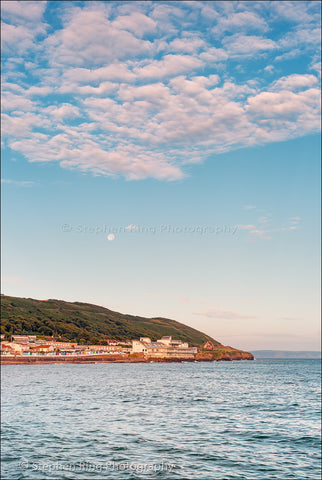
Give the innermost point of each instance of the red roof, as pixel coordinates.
(39, 346)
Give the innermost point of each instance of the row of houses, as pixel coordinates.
(28, 339)
(57, 348)
(166, 347)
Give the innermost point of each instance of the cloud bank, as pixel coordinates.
(143, 89)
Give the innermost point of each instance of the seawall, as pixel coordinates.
(34, 360)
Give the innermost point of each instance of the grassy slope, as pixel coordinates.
(90, 323)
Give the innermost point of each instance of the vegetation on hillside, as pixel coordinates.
(86, 323)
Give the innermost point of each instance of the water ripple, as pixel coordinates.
(230, 420)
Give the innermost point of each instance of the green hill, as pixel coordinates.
(86, 323)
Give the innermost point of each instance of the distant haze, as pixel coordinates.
(285, 354)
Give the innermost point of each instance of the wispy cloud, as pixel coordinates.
(224, 315)
(264, 228)
(18, 183)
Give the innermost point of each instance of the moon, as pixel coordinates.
(110, 237)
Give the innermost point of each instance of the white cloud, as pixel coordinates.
(284, 104)
(64, 111)
(16, 38)
(21, 24)
(25, 11)
(266, 229)
(189, 44)
(155, 93)
(239, 21)
(21, 126)
(263, 234)
(133, 162)
(168, 66)
(136, 22)
(165, 14)
(302, 38)
(112, 72)
(294, 82)
(11, 102)
(269, 69)
(142, 90)
(214, 55)
(89, 38)
(247, 45)
(38, 91)
(297, 12)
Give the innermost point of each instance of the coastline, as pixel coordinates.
(39, 359)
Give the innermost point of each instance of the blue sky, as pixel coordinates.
(162, 159)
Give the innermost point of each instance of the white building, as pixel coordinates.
(163, 348)
(13, 347)
(23, 339)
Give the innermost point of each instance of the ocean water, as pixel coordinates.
(218, 420)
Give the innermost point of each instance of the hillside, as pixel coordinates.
(86, 323)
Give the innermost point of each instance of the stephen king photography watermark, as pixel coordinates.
(150, 229)
(96, 467)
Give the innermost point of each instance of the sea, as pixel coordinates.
(212, 421)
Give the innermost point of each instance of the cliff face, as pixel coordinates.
(223, 354)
